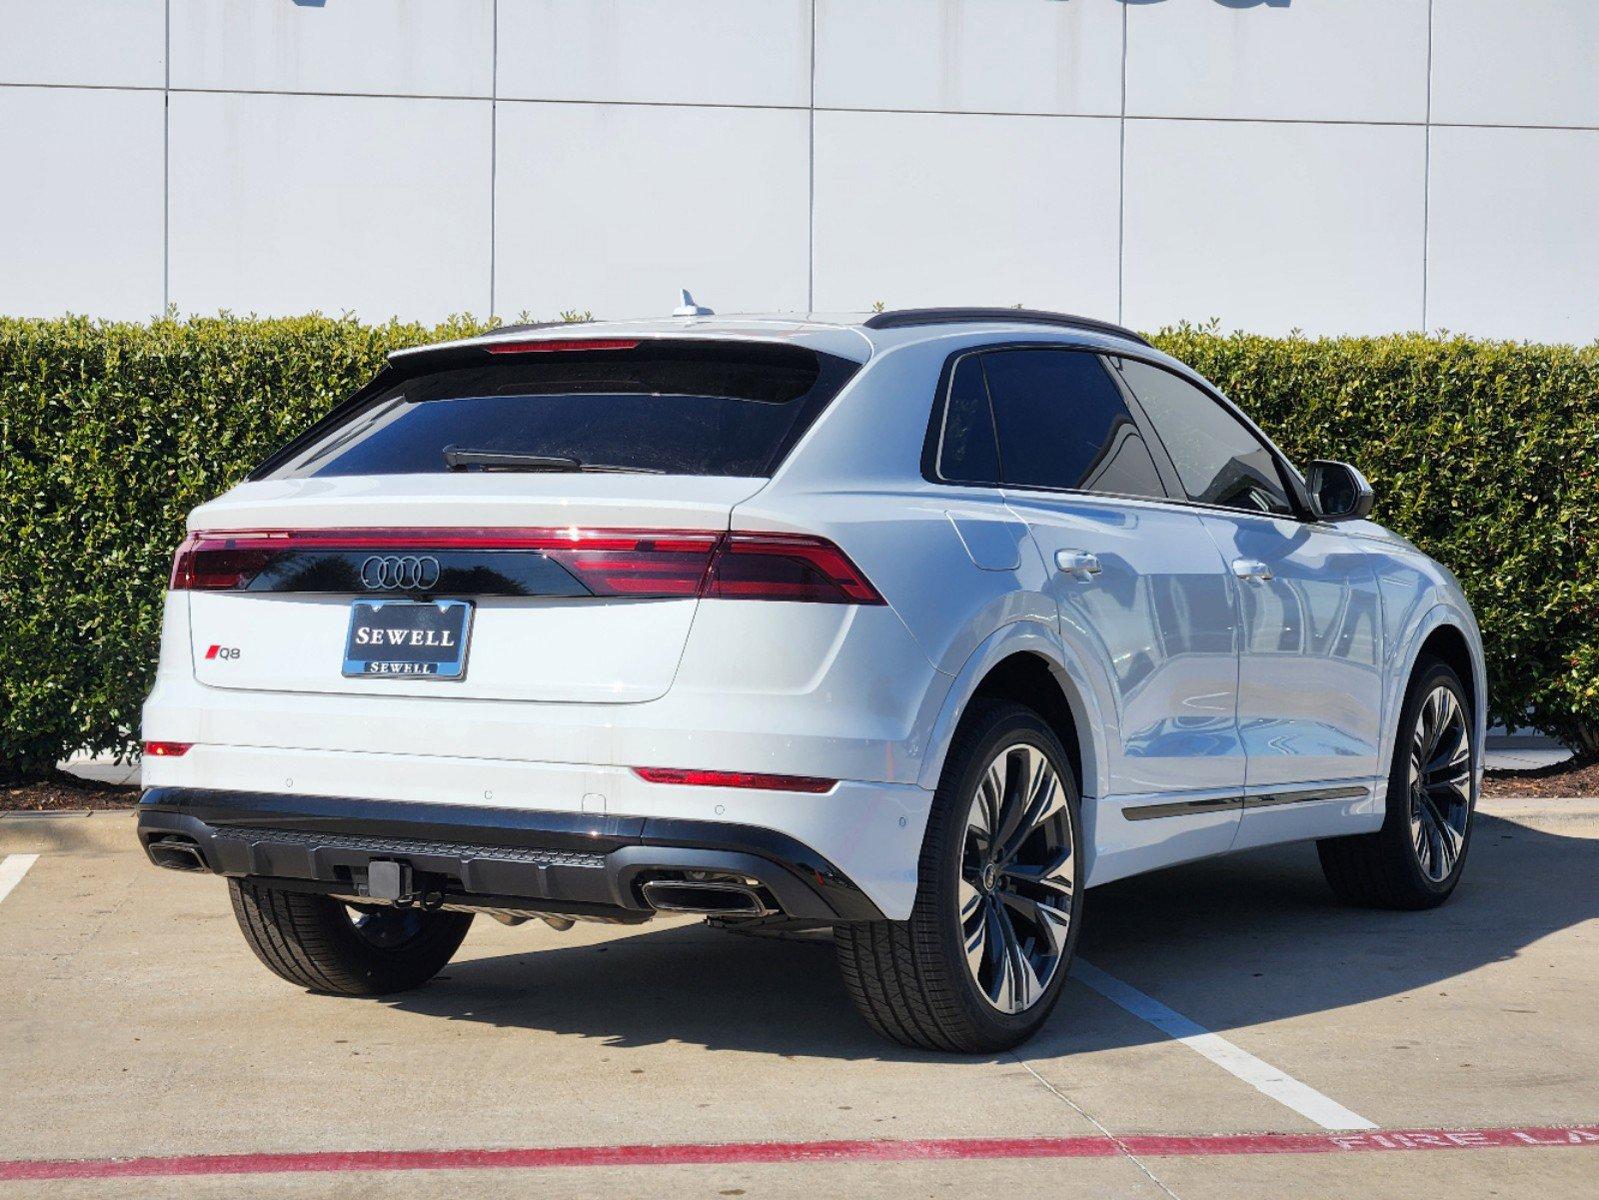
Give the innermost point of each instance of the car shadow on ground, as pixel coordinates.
(1230, 943)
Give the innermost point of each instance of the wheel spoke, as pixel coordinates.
(1451, 753)
(1020, 906)
(1055, 875)
(1421, 835)
(1002, 980)
(977, 941)
(1019, 767)
(1021, 983)
(984, 812)
(1045, 798)
(1449, 838)
(969, 899)
(1431, 721)
(1056, 924)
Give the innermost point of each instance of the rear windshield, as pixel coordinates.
(671, 408)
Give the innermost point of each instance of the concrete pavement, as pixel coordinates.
(138, 1024)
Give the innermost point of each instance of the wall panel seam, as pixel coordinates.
(166, 163)
(1121, 185)
(494, 147)
(1426, 183)
(810, 207)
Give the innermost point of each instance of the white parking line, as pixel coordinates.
(12, 868)
(1265, 1078)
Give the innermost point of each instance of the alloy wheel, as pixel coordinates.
(1440, 784)
(386, 928)
(1017, 879)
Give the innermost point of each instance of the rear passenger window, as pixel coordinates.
(967, 451)
(1062, 424)
(1218, 458)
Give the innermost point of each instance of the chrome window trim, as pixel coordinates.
(933, 449)
(933, 466)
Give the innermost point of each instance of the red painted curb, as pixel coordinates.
(719, 1153)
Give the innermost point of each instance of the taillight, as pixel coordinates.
(222, 562)
(779, 566)
(639, 564)
(167, 749)
(736, 779)
(609, 562)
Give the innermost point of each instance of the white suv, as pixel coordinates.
(913, 626)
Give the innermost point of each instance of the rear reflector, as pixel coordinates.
(550, 347)
(167, 749)
(735, 779)
(609, 562)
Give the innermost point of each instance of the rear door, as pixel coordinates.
(1139, 589)
(571, 494)
(1310, 673)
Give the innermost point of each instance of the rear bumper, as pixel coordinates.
(576, 864)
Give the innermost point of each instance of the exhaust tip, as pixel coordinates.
(177, 855)
(722, 898)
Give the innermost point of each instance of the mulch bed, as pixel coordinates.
(67, 794)
(1563, 780)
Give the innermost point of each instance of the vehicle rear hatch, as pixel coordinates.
(571, 494)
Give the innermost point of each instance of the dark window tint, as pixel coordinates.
(1219, 460)
(968, 452)
(672, 408)
(1063, 424)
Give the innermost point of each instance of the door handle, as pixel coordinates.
(1251, 568)
(1078, 561)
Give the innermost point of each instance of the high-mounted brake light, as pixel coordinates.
(550, 347)
(736, 779)
(609, 562)
(167, 749)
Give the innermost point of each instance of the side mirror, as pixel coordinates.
(1341, 493)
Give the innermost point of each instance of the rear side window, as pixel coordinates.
(968, 452)
(1218, 458)
(671, 408)
(1063, 424)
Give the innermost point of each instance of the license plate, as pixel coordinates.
(395, 638)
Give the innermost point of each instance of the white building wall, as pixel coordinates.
(1329, 165)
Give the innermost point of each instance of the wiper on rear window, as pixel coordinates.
(460, 458)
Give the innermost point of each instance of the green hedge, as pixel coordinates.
(1485, 454)
(109, 434)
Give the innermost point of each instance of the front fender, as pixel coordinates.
(1446, 611)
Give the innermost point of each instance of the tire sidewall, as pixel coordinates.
(938, 896)
(1396, 823)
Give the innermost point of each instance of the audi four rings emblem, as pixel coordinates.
(407, 572)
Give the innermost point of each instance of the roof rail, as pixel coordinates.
(907, 318)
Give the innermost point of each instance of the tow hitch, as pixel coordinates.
(395, 882)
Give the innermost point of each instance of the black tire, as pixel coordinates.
(314, 941)
(1386, 869)
(910, 979)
